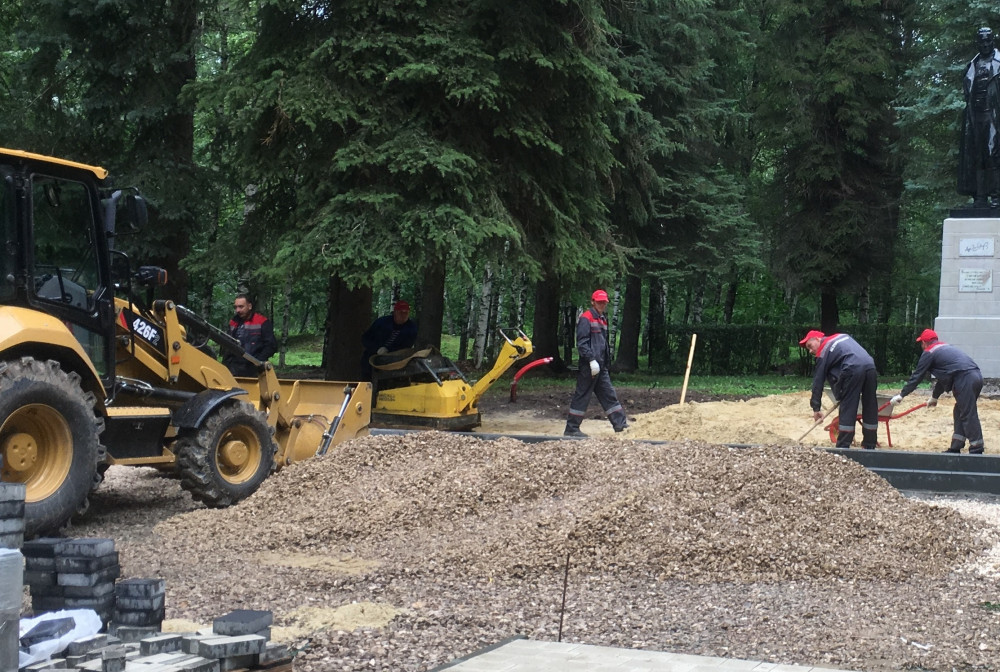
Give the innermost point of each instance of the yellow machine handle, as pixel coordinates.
(513, 349)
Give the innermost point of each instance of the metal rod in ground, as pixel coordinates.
(562, 609)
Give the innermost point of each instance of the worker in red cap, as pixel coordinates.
(395, 331)
(953, 371)
(850, 371)
(592, 370)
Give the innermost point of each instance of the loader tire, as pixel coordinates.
(228, 457)
(49, 440)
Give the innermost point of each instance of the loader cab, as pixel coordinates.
(55, 257)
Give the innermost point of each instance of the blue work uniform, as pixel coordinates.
(953, 371)
(850, 371)
(592, 345)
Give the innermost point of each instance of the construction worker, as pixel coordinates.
(592, 370)
(254, 332)
(850, 370)
(953, 371)
(387, 333)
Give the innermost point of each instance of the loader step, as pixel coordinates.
(135, 432)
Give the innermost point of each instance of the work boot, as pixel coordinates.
(575, 432)
(975, 451)
(621, 428)
(956, 446)
(844, 440)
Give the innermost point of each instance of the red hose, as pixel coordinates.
(524, 369)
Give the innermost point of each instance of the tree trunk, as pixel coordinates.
(522, 302)
(628, 342)
(864, 301)
(730, 305)
(612, 315)
(570, 318)
(482, 324)
(829, 318)
(545, 326)
(463, 336)
(306, 313)
(286, 319)
(496, 306)
(349, 312)
(656, 333)
(698, 298)
(448, 319)
(431, 314)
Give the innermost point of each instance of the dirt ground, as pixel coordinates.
(778, 419)
(402, 553)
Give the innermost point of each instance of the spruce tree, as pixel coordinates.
(827, 102)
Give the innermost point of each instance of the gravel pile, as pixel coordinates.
(438, 545)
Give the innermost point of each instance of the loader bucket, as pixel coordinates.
(306, 409)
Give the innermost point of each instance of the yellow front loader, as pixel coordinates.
(91, 375)
(421, 389)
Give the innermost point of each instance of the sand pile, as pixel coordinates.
(783, 419)
(688, 510)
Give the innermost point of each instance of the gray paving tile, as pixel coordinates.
(525, 655)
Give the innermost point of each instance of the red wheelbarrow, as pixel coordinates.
(885, 414)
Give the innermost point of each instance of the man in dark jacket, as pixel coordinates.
(850, 370)
(592, 369)
(954, 371)
(254, 332)
(395, 331)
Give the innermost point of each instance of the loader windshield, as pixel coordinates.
(65, 261)
(65, 258)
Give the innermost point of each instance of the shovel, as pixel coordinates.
(819, 422)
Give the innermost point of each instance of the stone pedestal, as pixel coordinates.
(969, 303)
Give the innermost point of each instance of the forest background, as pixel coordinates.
(740, 169)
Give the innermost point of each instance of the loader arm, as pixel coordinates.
(515, 347)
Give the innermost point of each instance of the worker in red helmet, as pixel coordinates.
(850, 370)
(592, 370)
(395, 331)
(953, 371)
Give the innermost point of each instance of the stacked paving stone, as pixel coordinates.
(207, 651)
(72, 574)
(12, 514)
(11, 591)
(140, 605)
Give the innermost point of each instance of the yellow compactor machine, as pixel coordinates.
(422, 389)
(92, 376)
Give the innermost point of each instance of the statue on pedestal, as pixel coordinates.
(979, 148)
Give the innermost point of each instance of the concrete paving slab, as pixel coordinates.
(525, 655)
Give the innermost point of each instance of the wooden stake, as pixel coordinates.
(687, 372)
